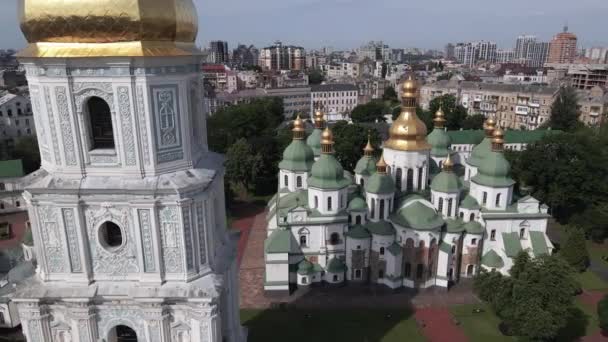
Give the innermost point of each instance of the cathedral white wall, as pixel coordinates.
(418, 161)
(442, 199)
(465, 214)
(289, 180)
(339, 200)
(277, 272)
(505, 193)
(374, 206)
(381, 241)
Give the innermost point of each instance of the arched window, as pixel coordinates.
(398, 178)
(380, 274)
(299, 181)
(2, 187)
(474, 242)
(522, 233)
(304, 280)
(122, 333)
(381, 250)
(382, 209)
(420, 178)
(373, 208)
(419, 271)
(440, 164)
(357, 274)
(336, 277)
(100, 121)
(498, 200)
(316, 202)
(410, 180)
(286, 180)
(358, 219)
(485, 198)
(334, 239)
(303, 240)
(472, 217)
(440, 206)
(462, 214)
(450, 207)
(493, 234)
(362, 182)
(408, 270)
(470, 270)
(329, 204)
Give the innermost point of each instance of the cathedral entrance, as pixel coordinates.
(122, 333)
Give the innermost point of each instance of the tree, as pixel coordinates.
(602, 313)
(350, 140)
(473, 122)
(369, 112)
(242, 165)
(594, 221)
(521, 262)
(564, 111)
(390, 94)
(574, 250)
(316, 77)
(455, 114)
(27, 150)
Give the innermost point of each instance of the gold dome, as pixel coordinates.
(318, 118)
(408, 132)
(298, 128)
(369, 149)
(448, 164)
(498, 140)
(381, 165)
(439, 119)
(327, 141)
(83, 28)
(489, 126)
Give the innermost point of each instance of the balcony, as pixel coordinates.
(521, 110)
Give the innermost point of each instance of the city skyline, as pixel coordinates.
(400, 25)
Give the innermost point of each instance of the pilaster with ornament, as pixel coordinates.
(204, 320)
(35, 320)
(83, 241)
(187, 235)
(84, 320)
(156, 320)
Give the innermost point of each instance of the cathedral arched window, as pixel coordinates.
(381, 250)
(450, 201)
(462, 214)
(498, 200)
(362, 182)
(420, 178)
(358, 219)
(299, 181)
(410, 180)
(522, 233)
(286, 180)
(334, 239)
(419, 271)
(303, 233)
(329, 204)
(472, 217)
(2, 187)
(382, 209)
(100, 124)
(484, 200)
(316, 202)
(398, 178)
(408, 270)
(440, 205)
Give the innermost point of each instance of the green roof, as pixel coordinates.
(394, 249)
(418, 216)
(305, 267)
(466, 137)
(11, 168)
(494, 171)
(358, 232)
(479, 152)
(366, 166)
(380, 228)
(445, 247)
(469, 202)
(539, 243)
(440, 142)
(327, 173)
(454, 225)
(280, 241)
(474, 227)
(292, 200)
(357, 204)
(473, 137)
(380, 183)
(297, 157)
(314, 141)
(447, 182)
(512, 244)
(492, 259)
(335, 265)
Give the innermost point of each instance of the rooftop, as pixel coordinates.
(333, 87)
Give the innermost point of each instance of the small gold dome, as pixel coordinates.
(327, 141)
(489, 126)
(498, 140)
(381, 165)
(409, 89)
(298, 128)
(318, 118)
(79, 28)
(448, 164)
(369, 149)
(439, 119)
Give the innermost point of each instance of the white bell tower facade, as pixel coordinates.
(127, 210)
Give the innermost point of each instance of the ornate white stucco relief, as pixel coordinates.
(171, 241)
(147, 243)
(69, 223)
(124, 108)
(51, 118)
(143, 128)
(200, 228)
(118, 315)
(52, 239)
(66, 125)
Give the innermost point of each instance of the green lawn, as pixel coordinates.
(597, 250)
(479, 327)
(593, 323)
(357, 325)
(590, 281)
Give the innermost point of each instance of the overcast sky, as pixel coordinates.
(400, 23)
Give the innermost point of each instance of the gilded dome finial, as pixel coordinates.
(381, 165)
(319, 120)
(439, 119)
(489, 126)
(298, 128)
(369, 149)
(448, 164)
(327, 141)
(498, 140)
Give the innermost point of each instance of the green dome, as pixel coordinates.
(327, 173)
(474, 227)
(479, 152)
(469, 202)
(418, 216)
(336, 265)
(446, 182)
(314, 141)
(494, 171)
(305, 267)
(357, 204)
(440, 142)
(358, 232)
(366, 166)
(297, 157)
(380, 183)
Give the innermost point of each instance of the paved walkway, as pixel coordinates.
(437, 325)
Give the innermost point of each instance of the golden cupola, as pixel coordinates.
(108, 28)
(408, 132)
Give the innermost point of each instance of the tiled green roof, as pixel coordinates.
(380, 228)
(418, 216)
(305, 267)
(314, 141)
(11, 168)
(366, 166)
(292, 200)
(440, 142)
(394, 249)
(380, 183)
(466, 137)
(512, 244)
(479, 152)
(494, 171)
(446, 182)
(358, 232)
(492, 259)
(297, 157)
(336, 265)
(327, 173)
(527, 137)
(357, 204)
(280, 241)
(539, 243)
(454, 225)
(445, 247)
(474, 227)
(469, 202)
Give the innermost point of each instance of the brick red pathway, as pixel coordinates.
(591, 298)
(437, 324)
(597, 337)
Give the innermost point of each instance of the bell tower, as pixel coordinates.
(127, 210)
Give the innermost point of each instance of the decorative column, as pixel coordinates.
(35, 320)
(156, 320)
(204, 320)
(84, 320)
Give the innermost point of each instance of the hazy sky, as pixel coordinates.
(400, 23)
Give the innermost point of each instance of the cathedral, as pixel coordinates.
(127, 210)
(405, 219)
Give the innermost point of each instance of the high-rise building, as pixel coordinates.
(245, 55)
(469, 53)
(127, 210)
(449, 51)
(597, 55)
(374, 50)
(218, 52)
(282, 57)
(505, 56)
(522, 46)
(537, 54)
(563, 47)
(486, 51)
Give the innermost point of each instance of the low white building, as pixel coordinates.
(340, 99)
(16, 119)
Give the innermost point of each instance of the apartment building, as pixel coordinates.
(11, 189)
(335, 99)
(593, 106)
(341, 70)
(16, 119)
(295, 100)
(282, 57)
(588, 76)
